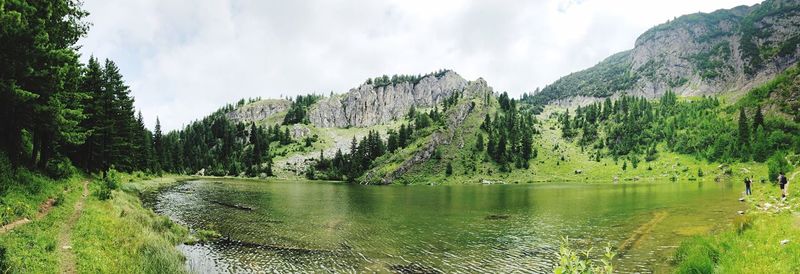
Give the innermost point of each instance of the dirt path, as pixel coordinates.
(44, 209)
(11, 226)
(795, 174)
(64, 242)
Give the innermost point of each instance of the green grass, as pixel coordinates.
(117, 235)
(752, 244)
(23, 191)
(31, 248)
(142, 184)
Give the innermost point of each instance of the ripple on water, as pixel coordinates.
(299, 227)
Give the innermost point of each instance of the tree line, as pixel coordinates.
(385, 80)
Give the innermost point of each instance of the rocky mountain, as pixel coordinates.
(475, 104)
(372, 103)
(726, 51)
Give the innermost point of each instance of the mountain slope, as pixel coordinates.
(726, 51)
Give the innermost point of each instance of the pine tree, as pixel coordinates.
(744, 134)
(391, 141)
(158, 147)
(143, 145)
(566, 127)
(758, 119)
(449, 169)
(97, 120)
(122, 116)
(479, 143)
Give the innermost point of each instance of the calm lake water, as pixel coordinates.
(330, 227)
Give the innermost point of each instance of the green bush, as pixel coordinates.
(103, 193)
(107, 184)
(59, 200)
(7, 215)
(574, 262)
(776, 164)
(60, 168)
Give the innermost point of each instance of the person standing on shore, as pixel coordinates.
(747, 182)
(783, 181)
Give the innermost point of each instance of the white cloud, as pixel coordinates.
(186, 58)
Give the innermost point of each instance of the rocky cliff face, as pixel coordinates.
(369, 105)
(698, 54)
(258, 111)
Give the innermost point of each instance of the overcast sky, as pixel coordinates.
(185, 58)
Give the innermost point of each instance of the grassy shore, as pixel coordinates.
(766, 239)
(115, 235)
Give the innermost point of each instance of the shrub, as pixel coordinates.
(570, 261)
(59, 168)
(21, 209)
(59, 200)
(776, 164)
(107, 184)
(103, 193)
(7, 215)
(111, 180)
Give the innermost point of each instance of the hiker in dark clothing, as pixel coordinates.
(747, 182)
(783, 181)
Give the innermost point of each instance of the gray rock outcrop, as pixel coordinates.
(368, 105)
(257, 111)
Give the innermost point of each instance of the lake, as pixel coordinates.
(334, 227)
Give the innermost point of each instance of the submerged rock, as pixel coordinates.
(413, 268)
(497, 217)
(236, 206)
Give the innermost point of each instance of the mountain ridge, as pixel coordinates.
(725, 51)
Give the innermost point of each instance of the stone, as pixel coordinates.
(299, 131)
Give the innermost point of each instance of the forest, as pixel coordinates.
(57, 113)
